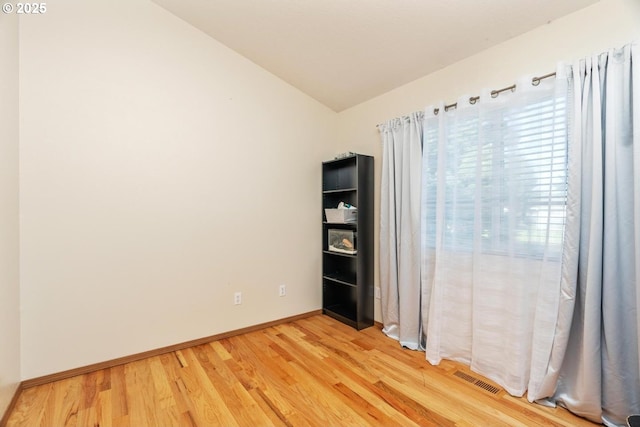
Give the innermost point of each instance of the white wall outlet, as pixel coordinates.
(282, 290)
(237, 298)
(377, 292)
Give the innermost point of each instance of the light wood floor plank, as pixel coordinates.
(263, 374)
(235, 397)
(210, 408)
(31, 406)
(310, 372)
(66, 398)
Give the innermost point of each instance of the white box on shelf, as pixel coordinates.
(341, 216)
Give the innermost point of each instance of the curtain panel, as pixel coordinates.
(599, 377)
(400, 230)
(493, 199)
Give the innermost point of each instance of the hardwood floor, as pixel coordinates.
(310, 372)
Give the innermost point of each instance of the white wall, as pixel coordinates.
(606, 24)
(9, 240)
(160, 173)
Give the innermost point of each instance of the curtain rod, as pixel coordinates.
(535, 81)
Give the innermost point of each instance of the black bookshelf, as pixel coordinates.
(347, 279)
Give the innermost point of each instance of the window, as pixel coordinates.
(504, 186)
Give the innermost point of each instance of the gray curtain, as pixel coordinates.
(600, 374)
(400, 229)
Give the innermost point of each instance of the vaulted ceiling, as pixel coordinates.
(344, 52)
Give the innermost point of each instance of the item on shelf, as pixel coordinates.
(345, 155)
(342, 241)
(343, 205)
(345, 213)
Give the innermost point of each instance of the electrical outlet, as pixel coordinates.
(237, 298)
(377, 292)
(283, 290)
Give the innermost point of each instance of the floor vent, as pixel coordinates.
(466, 377)
(477, 382)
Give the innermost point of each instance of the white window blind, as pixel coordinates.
(503, 190)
